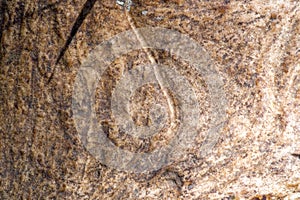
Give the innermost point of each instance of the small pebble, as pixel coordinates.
(190, 186)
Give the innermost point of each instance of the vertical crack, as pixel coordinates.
(157, 74)
(87, 7)
(3, 8)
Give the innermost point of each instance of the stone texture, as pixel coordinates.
(255, 47)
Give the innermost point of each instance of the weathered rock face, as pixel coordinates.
(253, 50)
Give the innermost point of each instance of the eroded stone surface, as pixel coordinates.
(255, 48)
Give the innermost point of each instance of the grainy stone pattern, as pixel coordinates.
(255, 46)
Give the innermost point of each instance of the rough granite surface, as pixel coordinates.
(255, 47)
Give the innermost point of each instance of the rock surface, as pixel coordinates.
(255, 49)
